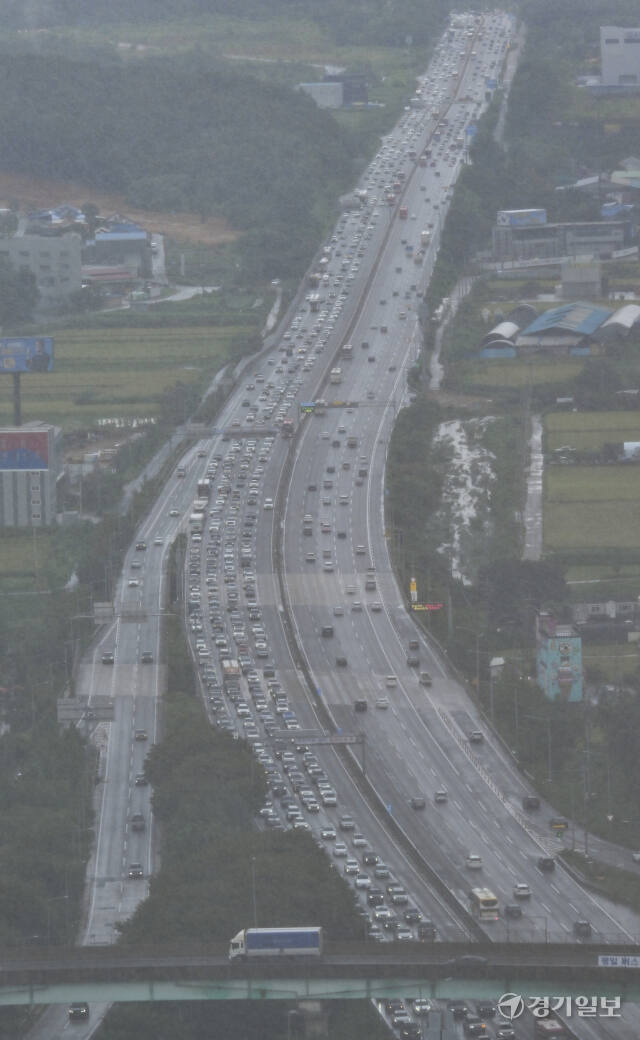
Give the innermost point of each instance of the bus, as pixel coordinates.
(484, 904)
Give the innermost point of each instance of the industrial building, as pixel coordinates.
(120, 242)
(325, 95)
(539, 241)
(620, 57)
(29, 468)
(573, 329)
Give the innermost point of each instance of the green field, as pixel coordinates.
(615, 662)
(603, 572)
(592, 507)
(105, 373)
(516, 374)
(22, 556)
(589, 431)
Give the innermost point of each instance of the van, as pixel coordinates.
(582, 929)
(440, 796)
(391, 681)
(546, 863)
(417, 802)
(512, 910)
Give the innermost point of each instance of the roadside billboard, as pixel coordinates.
(26, 354)
(24, 450)
(521, 217)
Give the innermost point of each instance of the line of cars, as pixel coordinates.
(231, 624)
(221, 560)
(409, 1017)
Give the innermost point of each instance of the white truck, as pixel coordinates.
(276, 942)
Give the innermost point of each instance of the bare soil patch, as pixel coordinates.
(40, 192)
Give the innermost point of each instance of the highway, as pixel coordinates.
(262, 582)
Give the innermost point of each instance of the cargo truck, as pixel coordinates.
(276, 942)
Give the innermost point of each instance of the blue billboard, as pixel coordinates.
(26, 354)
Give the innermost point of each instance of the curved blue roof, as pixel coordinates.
(580, 318)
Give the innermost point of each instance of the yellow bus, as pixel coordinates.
(484, 904)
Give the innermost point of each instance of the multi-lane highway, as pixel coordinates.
(288, 574)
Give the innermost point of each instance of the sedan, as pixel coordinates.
(521, 890)
(340, 850)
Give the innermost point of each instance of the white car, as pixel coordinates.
(267, 504)
(473, 861)
(521, 890)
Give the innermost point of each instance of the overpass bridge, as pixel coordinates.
(352, 971)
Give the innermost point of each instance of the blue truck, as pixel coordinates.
(276, 942)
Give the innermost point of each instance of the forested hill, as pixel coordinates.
(175, 134)
(347, 21)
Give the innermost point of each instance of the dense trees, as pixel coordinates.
(181, 134)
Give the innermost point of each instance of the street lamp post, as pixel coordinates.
(253, 892)
(477, 636)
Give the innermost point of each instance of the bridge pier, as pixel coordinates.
(308, 1019)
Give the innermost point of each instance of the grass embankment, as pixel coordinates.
(617, 884)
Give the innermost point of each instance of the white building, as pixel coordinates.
(55, 262)
(620, 56)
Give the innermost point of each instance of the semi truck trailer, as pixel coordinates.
(276, 942)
